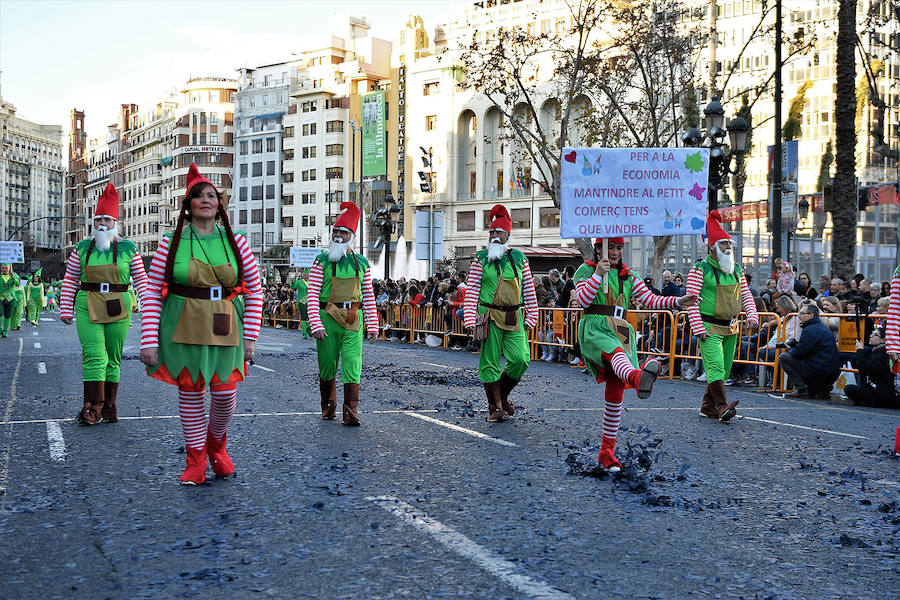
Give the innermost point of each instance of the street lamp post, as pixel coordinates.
(385, 221)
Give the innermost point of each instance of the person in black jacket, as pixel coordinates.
(813, 362)
(876, 382)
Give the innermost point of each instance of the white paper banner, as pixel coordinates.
(612, 192)
(12, 252)
(304, 257)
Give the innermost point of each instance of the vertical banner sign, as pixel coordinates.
(374, 151)
(606, 192)
(790, 167)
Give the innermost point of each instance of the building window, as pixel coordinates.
(270, 190)
(465, 221)
(287, 177)
(287, 200)
(257, 146)
(308, 175)
(243, 194)
(430, 122)
(256, 192)
(309, 152)
(334, 173)
(256, 238)
(308, 198)
(243, 148)
(334, 127)
(270, 215)
(243, 169)
(256, 215)
(309, 106)
(309, 129)
(288, 154)
(334, 150)
(270, 167)
(257, 169)
(521, 218)
(431, 89)
(549, 216)
(213, 139)
(289, 132)
(242, 217)
(334, 197)
(270, 144)
(287, 221)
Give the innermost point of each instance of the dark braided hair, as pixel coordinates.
(185, 215)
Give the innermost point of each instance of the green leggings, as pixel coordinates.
(6, 313)
(101, 345)
(514, 347)
(34, 310)
(718, 354)
(340, 344)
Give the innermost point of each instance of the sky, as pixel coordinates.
(95, 55)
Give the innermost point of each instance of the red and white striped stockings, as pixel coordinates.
(191, 407)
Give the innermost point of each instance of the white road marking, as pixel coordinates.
(490, 561)
(859, 437)
(4, 462)
(56, 441)
(436, 365)
(42, 368)
(47, 320)
(37, 345)
(461, 429)
(265, 368)
(34, 333)
(887, 482)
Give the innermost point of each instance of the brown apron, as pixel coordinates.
(620, 327)
(104, 307)
(509, 293)
(343, 291)
(208, 322)
(728, 306)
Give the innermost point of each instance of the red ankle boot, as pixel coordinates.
(221, 463)
(195, 472)
(607, 455)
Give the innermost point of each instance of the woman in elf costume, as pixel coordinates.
(8, 283)
(35, 298)
(201, 319)
(51, 298)
(607, 339)
(97, 274)
(19, 308)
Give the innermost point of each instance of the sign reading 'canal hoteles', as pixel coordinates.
(611, 192)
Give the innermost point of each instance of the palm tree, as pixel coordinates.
(844, 215)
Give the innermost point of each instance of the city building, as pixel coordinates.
(31, 180)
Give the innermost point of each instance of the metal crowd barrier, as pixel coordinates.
(659, 333)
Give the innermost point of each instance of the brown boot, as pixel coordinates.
(328, 395)
(724, 409)
(351, 403)
(110, 412)
(93, 403)
(507, 384)
(495, 405)
(708, 408)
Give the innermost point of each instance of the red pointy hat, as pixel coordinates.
(500, 218)
(108, 204)
(614, 240)
(714, 231)
(349, 218)
(194, 177)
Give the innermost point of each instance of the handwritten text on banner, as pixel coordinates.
(608, 192)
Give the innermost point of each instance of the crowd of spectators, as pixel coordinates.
(811, 356)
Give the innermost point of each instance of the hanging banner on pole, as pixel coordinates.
(436, 231)
(612, 192)
(373, 146)
(12, 252)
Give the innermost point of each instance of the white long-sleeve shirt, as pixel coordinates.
(473, 291)
(72, 281)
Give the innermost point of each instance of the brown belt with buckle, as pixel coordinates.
(105, 288)
(200, 293)
(344, 305)
(611, 311)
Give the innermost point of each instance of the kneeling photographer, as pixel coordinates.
(812, 362)
(876, 381)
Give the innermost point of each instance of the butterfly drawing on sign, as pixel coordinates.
(697, 192)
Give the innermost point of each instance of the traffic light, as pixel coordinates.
(828, 196)
(425, 182)
(862, 198)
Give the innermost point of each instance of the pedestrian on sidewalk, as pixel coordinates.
(201, 319)
(98, 272)
(606, 338)
(500, 285)
(8, 283)
(340, 294)
(722, 289)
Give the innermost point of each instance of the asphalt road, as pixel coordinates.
(796, 499)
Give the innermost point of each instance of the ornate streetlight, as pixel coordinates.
(385, 220)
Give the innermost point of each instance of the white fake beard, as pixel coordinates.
(726, 261)
(496, 251)
(338, 250)
(103, 237)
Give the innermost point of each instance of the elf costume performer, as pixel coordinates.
(893, 323)
(201, 318)
(51, 298)
(607, 339)
(19, 308)
(35, 297)
(301, 285)
(340, 284)
(97, 274)
(8, 283)
(500, 284)
(723, 290)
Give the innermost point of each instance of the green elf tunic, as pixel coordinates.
(341, 283)
(8, 284)
(302, 288)
(196, 347)
(35, 294)
(502, 285)
(103, 318)
(603, 334)
(19, 308)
